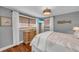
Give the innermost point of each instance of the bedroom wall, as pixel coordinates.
(5, 32)
(67, 27)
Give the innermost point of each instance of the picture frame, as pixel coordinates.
(5, 21)
(64, 21)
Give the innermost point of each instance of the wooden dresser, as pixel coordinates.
(28, 36)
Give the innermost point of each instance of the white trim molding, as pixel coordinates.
(15, 23)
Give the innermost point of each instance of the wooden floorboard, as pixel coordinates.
(19, 48)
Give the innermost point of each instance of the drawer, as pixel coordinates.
(28, 36)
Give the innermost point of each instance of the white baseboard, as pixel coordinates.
(4, 48)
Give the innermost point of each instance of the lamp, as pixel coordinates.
(76, 33)
(47, 12)
(76, 29)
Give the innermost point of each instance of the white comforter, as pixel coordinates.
(54, 41)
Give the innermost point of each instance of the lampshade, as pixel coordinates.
(47, 12)
(76, 28)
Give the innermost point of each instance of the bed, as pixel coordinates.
(55, 42)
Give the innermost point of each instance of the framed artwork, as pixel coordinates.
(5, 21)
(64, 21)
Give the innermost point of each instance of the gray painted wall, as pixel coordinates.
(5, 12)
(5, 36)
(66, 28)
(5, 32)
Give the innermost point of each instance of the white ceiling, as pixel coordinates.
(37, 10)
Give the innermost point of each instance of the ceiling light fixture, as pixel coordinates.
(47, 12)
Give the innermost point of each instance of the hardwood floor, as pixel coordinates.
(19, 48)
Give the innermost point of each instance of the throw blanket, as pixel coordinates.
(66, 40)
